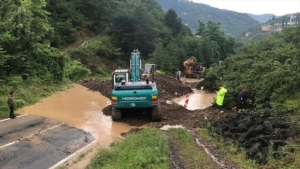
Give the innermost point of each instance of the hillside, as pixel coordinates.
(263, 17)
(232, 23)
(268, 28)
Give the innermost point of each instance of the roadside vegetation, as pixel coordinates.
(269, 69)
(145, 149)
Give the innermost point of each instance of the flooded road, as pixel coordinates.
(80, 108)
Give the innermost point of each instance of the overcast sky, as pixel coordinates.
(277, 7)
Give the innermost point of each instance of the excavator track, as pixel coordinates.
(116, 114)
(156, 113)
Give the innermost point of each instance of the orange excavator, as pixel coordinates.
(192, 69)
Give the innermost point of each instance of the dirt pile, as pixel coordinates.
(256, 134)
(102, 86)
(167, 86)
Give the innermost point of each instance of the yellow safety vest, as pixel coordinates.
(220, 96)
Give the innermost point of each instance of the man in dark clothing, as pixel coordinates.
(10, 103)
(241, 99)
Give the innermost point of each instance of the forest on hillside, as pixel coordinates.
(273, 25)
(33, 31)
(233, 23)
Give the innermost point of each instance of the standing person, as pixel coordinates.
(11, 104)
(220, 97)
(241, 99)
(178, 73)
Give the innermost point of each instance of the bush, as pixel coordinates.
(77, 71)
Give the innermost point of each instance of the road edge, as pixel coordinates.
(67, 159)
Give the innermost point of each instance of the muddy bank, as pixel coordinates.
(256, 133)
(168, 87)
(173, 114)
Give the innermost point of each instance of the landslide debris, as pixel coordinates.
(168, 87)
(256, 133)
(173, 114)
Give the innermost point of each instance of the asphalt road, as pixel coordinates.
(33, 142)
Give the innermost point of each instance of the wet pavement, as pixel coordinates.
(40, 145)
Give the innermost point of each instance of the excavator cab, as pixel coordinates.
(120, 75)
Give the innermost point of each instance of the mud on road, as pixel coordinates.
(168, 88)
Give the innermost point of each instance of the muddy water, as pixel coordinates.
(198, 100)
(80, 108)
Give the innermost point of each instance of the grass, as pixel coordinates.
(230, 151)
(145, 149)
(192, 155)
(29, 93)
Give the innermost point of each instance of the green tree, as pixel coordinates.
(172, 21)
(22, 37)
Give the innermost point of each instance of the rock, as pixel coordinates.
(268, 126)
(253, 150)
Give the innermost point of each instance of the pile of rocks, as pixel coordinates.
(255, 133)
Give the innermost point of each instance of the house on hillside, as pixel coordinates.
(266, 28)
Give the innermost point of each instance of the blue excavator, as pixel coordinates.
(130, 92)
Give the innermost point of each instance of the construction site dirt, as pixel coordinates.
(173, 113)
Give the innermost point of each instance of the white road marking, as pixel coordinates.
(71, 156)
(11, 143)
(11, 119)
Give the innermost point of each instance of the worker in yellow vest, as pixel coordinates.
(220, 97)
